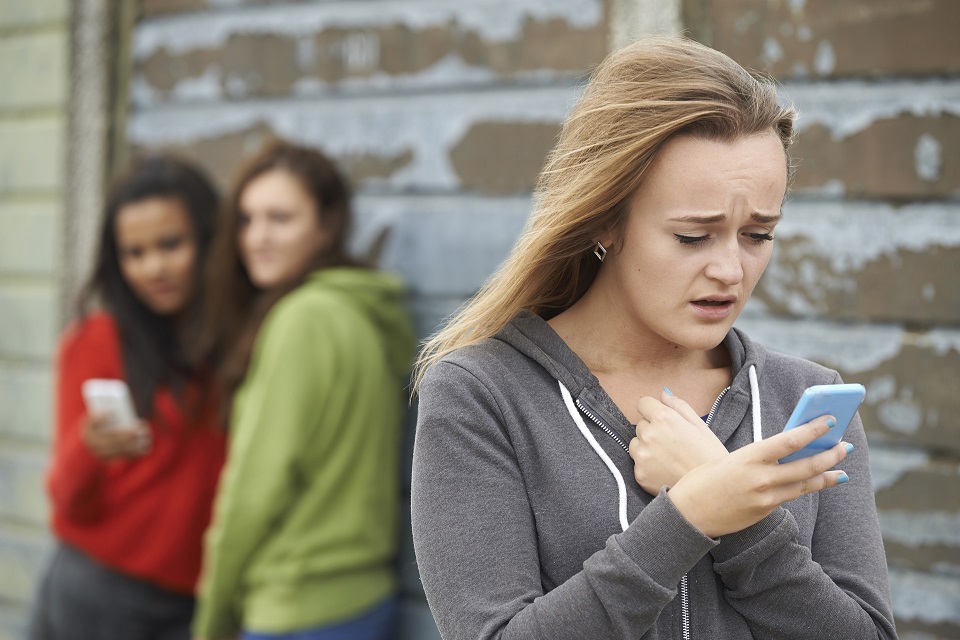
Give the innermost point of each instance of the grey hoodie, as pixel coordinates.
(522, 529)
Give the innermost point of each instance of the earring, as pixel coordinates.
(600, 252)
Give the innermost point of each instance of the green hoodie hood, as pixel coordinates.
(381, 296)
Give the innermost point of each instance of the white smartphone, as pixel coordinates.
(112, 398)
(838, 400)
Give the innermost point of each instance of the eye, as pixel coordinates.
(690, 240)
(169, 244)
(760, 238)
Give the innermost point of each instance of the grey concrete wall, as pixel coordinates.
(442, 112)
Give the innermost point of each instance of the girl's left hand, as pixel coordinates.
(671, 440)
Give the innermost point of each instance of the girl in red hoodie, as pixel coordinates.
(130, 502)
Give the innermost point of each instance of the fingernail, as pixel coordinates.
(848, 447)
(843, 478)
(669, 393)
(831, 423)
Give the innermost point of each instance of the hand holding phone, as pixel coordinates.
(838, 400)
(111, 399)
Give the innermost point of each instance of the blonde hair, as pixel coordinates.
(638, 99)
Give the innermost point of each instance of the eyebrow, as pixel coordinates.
(762, 218)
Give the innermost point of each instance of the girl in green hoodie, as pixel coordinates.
(317, 351)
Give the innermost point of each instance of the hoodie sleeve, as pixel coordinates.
(476, 540)
(75, 474)
(280, 399)
(836, 589)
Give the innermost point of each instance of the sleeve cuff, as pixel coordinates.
(644, 541)
(734, 544)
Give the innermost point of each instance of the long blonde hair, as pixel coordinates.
(638, 98)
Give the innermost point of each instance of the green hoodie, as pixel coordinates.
(305, 521)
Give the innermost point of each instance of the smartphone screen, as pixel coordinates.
(838, 400)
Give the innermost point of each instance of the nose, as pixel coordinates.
(725, 265)
(154, 264)
(253, 233)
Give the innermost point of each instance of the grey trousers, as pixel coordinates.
(80, 599)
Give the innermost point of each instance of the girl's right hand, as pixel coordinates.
(737, 490)
(109, 442)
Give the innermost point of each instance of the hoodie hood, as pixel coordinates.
(530, 334)
(381, 296)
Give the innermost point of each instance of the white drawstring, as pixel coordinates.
(755, 404)
(621, 487)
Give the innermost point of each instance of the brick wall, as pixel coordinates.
(33, 71)
(866, 277)
(442, 112)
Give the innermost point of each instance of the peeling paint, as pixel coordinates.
(888, 466)
(853, 349)
(913, 529)
(850, 234)
(927, 155)
(825, 60)
(772, 51)
(848, 107)
(901, 415)
(494, 21)
(929, 598)
(427, 125)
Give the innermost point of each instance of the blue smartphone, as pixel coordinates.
(838, 400)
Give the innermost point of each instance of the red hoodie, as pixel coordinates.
(144, 517)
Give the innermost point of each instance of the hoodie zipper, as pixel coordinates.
(684, 589)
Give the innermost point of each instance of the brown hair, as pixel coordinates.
(638, 99)
(235, 308)
(153, 347)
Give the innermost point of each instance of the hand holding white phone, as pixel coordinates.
(110, 398)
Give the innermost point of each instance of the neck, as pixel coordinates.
(608, 342)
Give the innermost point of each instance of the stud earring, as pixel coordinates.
(600, 252)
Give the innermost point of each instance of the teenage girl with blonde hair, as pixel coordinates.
(560, 489)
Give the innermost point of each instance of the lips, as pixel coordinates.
(714, 307)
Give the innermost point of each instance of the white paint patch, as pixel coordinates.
(493, 20)
(928, 160)
(428, 125)
(850, 234)
(847, 107)
(942, 341)
(929, 292)
(929, 598)
(901, 415)
(881, 388)
(772, 51)
(205, 87)
(853, 349)
(797, 6)
(825, 60)
(914, 529)
(804, 33)
(888, 466)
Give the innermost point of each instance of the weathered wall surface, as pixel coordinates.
(866, 276)
(34, 40)
(442, 113)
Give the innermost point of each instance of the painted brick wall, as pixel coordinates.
(442, 112)
(33, 71)
(866, 276)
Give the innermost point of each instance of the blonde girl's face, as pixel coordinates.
(279, 233)
(698, 237)
(157, 253)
